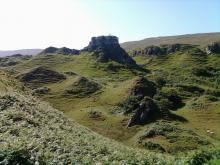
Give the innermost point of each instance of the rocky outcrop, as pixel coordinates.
(151, 50)
(107, 48)
(142, 87)
(213, 48)
(41, 75)
(63, 50)
(157, 50)
(145, 112)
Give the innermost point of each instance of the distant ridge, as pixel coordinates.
(201, 39)
(20, 51)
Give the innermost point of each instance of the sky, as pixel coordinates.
(72, 23)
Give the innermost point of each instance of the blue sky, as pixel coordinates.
(71, 23)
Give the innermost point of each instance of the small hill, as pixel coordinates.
(41, 75)
(82, 87)
(63, 50)
(201, 39)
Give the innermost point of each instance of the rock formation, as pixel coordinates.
(213, 48)
(107, 48)
(157, 50)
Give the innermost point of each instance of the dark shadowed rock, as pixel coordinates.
(143, 87)
(213, 48)
(41, 75)
(146, 111)
(107, 48)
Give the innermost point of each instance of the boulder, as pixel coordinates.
(107, 48)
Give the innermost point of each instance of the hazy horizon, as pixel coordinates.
(36, 24)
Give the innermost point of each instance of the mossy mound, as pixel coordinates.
(142, 87)
(177, 139)
(41, 75)
(82, 87)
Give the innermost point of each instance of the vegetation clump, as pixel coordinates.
(168, 99)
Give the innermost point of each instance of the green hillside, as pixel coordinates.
(33, 132)
(196, 39)
(179, 90)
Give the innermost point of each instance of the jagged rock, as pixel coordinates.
(143, 87)
(144, 113)
(151, 50)
(173, 48)
(213, 48)
(41, 75)
(157, 50)
(107, 48)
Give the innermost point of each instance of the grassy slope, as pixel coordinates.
(176, 68)
(197, 39)
(33, 126)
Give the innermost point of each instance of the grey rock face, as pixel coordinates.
(107, 48)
